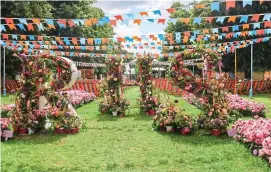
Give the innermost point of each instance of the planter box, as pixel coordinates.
(22, 131)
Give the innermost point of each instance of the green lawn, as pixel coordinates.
(127, 144)
(6, 99)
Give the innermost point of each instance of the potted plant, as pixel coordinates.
(184, 122)
(6, 128)
(216, 125)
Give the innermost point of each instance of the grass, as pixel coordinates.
(127, 144)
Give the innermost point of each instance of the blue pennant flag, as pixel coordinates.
(244, 19)
(97, 41)
(178, 40)
(76, 22)
(40, 42)
(235, 28)
(49, 21)
(71, 53)
(97, 48)
(2, 43)
(267, 31)
(254, 32)
(157, 12)
(220, 19)
(30, 51)
(106, 19)
(66, 40)
(177, 34)
(22, 20)
(255, 40)
(82, 21)
(31, 37)
(256, 25)
(52, 52)
(220, 37)
(197, 20)
(61, 25)
(161, 37)
(214, 6)
(196, 32)
(83, 41)
(170, 54)
(26, 42)
(159, 47)
(215, 30)
(31, 46)
(126, 38)
(206, 38)
(192, 38)
(266, 39)
(125, 22)
(54, 42)
(150, 20)
(60, 46)
(152, 43)
(14, 37)
(40, 27)
(173, 21)
(14, 42)
(130, 16)
(250, 33)
(46, 46)
(236, 35)
(247, 2)
(83, 47)
(267, 17)
(3, 28)
(21, 26)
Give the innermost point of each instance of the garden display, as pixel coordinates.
(112, 89)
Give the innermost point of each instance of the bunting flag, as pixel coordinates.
(33, 24)
(232, 4)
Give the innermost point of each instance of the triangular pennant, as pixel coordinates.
(230, 4)
(9, 20)
(205, 31)
(209, 19)
(244, 19)
(197, 20)
(171, 10)
(225, 29)
(88, 22)
(185, 20)
(214, 6)
(245, 26)
(113, 23)
(267, 24)
(137, 21)
(11, 26)
(119, 17)
(5, 36)
(161, 21)
(36, 21)
(157, 12)
(255, 17)
(71, 23)
(40, 27)
(23, 37)
(21, 26)
(232, 19)
(220, 19)
(143, 13)
(247, 2)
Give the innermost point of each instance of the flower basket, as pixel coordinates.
(115, 113)
(185, 131)
(169, 128)
(74, 130)
(216, 132)
(22, 131)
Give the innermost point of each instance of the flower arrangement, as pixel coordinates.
(78, 98)
(246, 107)
(256, 135)
(165, 116)
(112, 89)
(5, 109)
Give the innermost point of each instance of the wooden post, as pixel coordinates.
(235, 73)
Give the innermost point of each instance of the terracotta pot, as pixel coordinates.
(185, 131)
(216, 132)
(151, 112)
(74, 130)
(22, 131)
(169, 128)
(59, 131)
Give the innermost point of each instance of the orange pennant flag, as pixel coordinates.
(57, 38)
(200, 6)
(30, 27)
(88, 22)
(67, 53)
(47, 42)
(260, 32)
(205, 31)
(36, 21)
(185, 20)
(113, 23)
(94, 20)
(171, 10)
(137, 21)
(139, 39)
(244, 33)
(90, 41)
(11, 26)
(40, 38)
(213, 37)
(267, 24)
(77, 47)
(74, 41)
(119, 17)
(66, 47)
(23, 37)
(229, 35)
(185, 39)
(229, 4)
(261, 1)
(103, 47)
(225, 29)
(186, 33)
(143, 13)
(255, 17)
(246, 26)
(71, 23)
(232, 19)
(161, 21)
(209, 19)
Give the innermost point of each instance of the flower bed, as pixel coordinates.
(256, 135)
(246, 107)
(78, 98)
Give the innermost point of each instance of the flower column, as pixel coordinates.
(148, 102)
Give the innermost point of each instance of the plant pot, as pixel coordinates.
(115, 113)
(216, 132)
(59, 131)
(169, 128)
(151, 112)
(7, 134)
(162, 129)
(67, 131)
(22, 131)
(122, 115)
(185, 131)
(74, 130)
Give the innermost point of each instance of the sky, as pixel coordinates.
(114, 7)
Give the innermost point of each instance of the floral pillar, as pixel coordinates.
(148, 102)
